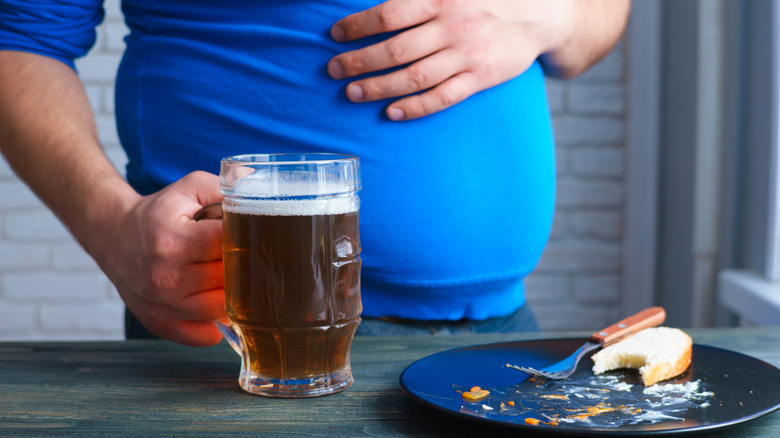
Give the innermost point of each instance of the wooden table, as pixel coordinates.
(151, 388)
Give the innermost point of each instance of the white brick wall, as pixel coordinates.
(578, 282)
(50, 289)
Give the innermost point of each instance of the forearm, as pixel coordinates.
(50, 140)
(586, 31)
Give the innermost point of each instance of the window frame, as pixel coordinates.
(753, 292)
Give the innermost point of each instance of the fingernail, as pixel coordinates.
(337, 33)
(395, 114)
(335, 70)
(355, 93)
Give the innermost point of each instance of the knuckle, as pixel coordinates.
(351, 27)
(164, 279)
(443, 99)
(418, 79)
(395, 52)
(352, 65)
(388, 18)
(163, 246)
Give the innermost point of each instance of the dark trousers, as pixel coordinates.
(522, 320)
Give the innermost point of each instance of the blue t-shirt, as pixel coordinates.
(456, 207)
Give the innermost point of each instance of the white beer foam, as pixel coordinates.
(254, 186)
(292, 207)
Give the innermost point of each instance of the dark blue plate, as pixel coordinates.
(721, 388)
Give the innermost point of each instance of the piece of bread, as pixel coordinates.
(660, 353)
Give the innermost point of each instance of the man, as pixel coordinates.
(444, 102)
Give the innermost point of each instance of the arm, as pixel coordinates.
(457, 48)
(588, 31)
(166, 267)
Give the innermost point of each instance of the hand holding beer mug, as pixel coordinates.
(291, 250)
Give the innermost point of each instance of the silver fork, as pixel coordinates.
(649, 317)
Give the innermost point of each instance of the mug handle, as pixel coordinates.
(230, 335)
(214, 211)
(211, 211)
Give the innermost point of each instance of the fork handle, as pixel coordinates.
(650, 317)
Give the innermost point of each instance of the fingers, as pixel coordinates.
(174, 313)
(433, 73)
(203, 306)
(195, 333)
(431, 70)
(386, 17)
(170, 271)
(444, 95)
(421, 75)
(441, 58)
(203, 241)
(206, 305)
(182, 281)
(192, 333)
(167, 226)
(446, 51)
(179, 243)
(189, 322)
(401, 49)
(206, 242)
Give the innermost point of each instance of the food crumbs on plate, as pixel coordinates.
(510, 403)
(535, 422)
(590, 411)
(555, 396)
(599, 409)
(475, 394)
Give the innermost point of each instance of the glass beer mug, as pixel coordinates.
(291, 249)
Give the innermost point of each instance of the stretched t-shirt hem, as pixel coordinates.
(475, 301)
(442, 283)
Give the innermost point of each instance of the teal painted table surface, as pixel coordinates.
(157, 388)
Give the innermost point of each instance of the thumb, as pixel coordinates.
(203, 190)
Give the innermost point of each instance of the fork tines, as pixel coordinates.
(533, 371)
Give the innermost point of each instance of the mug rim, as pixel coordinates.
(320, 158)
(344, 167)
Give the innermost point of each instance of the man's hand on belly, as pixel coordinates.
(451, 49)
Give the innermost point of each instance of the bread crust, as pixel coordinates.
(664, 372)
(659, 353)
